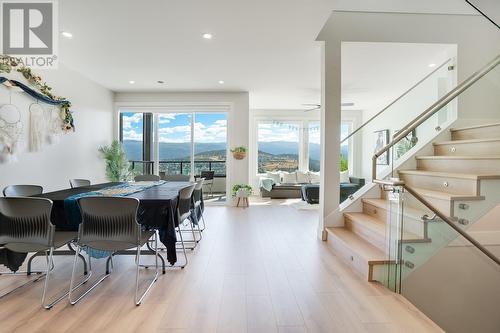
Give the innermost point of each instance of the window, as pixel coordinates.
(345, 149)
(278, 146)
(136, 136)
(174, 143)
(314, 145)
(210, 136)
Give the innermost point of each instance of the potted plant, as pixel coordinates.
(117, 165)
(239, 153)
(241, 192)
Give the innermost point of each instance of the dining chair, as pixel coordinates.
(79, 183)
(209, 180)
(147, 178)
(198, 202)
(184, 214)
(22, 190)
(25, 226)
(110, 224)
(177, 178)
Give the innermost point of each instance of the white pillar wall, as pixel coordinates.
(330, 137)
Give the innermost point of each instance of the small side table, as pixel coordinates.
(242, 196)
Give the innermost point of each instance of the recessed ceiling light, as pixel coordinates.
(221, 82)
(207, 36)
(67, 34)
(131, 81)
(432, 65)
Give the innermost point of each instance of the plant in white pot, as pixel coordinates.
(241, 192)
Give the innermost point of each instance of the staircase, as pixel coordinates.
(461, 179)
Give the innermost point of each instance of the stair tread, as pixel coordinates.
(466, 141)
(474, 127)
(444, 195)
(363, 248)
(449, 174)
(458, 157)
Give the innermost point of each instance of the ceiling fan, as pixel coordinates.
(314, 107)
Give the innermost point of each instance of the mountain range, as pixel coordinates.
(178, 151)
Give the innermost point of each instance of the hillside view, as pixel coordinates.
(276, 155)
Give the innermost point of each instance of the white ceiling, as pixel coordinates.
(261, 46)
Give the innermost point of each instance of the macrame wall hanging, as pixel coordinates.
(45, 125)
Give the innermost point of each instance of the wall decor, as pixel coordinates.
(405, 144)
(44, 93)
(11, 129)
(381, 140)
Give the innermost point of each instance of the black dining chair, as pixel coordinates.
(25, 226)
(176, 178)
(209, 180)
(22, 190)
(110, 224)
(79, 183)
(184, 214)
(198, 207)
(147, 178)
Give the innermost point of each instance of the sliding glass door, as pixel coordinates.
(186, 143)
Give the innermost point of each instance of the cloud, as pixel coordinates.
(132, 135)
(129, 121)
(271, 133)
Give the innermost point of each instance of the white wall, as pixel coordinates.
(477, 40)
(76, 154)
(237, 121)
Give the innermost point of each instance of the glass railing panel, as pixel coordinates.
(379, 127)
(457, 287)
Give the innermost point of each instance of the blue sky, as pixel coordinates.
(176, 127)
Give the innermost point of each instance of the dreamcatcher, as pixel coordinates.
(11, 129)
(37, 127)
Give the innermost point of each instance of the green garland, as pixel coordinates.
(8, 63)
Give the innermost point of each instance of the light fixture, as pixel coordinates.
(432, 65)
(160, 82)
(131, 81)
(67, 34)
(207, 36)
(221, 82)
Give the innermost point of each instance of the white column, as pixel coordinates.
(330, 137)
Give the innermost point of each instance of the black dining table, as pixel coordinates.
(157, 210)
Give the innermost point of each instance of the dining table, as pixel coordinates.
(157, 209)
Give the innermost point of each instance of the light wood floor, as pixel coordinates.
(260, 269)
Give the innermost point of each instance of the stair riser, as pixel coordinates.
(367, 234)
(482, 166)
(469, 149)
(350, 257)
(443, 184)
(411, 225)
(490, 132)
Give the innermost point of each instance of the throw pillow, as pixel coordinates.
(289, 177)
(344, 177)
(315, 177)
(275, 176)
(302, 177)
